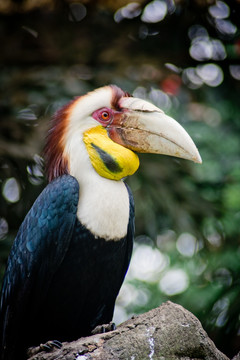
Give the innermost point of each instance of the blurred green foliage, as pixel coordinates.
(184, 57)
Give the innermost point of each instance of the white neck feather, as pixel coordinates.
(104, 207)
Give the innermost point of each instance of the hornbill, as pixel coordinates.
(73, 249)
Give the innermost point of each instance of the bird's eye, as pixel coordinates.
(105, 115)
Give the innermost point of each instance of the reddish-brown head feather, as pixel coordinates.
(56, 162)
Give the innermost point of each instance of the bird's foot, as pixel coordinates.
(100, 329)
(48, 346)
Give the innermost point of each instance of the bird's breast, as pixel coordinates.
(103, 207)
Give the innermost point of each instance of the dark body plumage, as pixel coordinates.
(60, 280)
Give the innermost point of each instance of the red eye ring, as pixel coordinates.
(104, 116)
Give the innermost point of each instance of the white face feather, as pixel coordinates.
(109, 219)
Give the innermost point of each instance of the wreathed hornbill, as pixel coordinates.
(72, 251)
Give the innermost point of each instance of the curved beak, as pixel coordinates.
(144, 128)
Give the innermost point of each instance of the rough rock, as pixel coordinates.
(168, 332)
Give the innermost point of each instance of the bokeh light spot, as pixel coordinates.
(130, 11)
(201, 50)
(119, 315)
(205, 49)
(220, 309)
(77, 12)
(211, 74)
(197, 31)
(35, 170)
(160, 99)
(147, 263)
(187, 244)
(154, 12)
(226, 27)
(3, 228)
(235, 71)
(191, 78)
(26, 114)
(11, 190)
(174, 282)
(220, 10)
